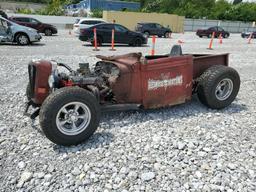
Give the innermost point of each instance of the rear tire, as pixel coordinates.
(218, 86)
(147, 34)
(226, 36)
(69, 116)
(48, 32)
(167, 35)
(137, 42)
(99, 41)
(22, 39)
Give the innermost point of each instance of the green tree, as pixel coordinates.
(220, 10)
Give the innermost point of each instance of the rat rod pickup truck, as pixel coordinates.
(69, 104)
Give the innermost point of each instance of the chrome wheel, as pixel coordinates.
(224, 89)
(73, 118)
(23, 40)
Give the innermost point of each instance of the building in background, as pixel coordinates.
(89, 5)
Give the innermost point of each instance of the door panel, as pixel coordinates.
(105, 31)
(34, 24)
(167, 81)
(153, 29)
(159, 30)
(23, 21)
(122, 35)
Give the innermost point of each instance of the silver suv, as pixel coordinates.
(12, 32)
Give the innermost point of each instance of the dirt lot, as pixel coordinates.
(182, 148)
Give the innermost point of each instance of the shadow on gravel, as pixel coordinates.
(109, 45)
(36, 126)
(16, 45)
(122, 120)
(53, 35)
(234, 108)
(182, 111)
(97, 140)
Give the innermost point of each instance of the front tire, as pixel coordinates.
(69, 116)
(218, 86)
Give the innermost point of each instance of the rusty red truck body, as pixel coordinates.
(124, 82)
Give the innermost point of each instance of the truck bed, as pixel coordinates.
(201, 62)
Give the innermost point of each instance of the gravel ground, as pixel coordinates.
(183, 148)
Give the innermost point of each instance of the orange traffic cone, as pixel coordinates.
(153, 45)
(250, 39)
(113, 41)
(95, 40)
(211, 42)
(220, 39)
(180, 41)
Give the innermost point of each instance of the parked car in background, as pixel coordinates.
(246, 34)
(207, 32)
(86, 23)
(45, 28)
(104, 35)
(153, 29)
(12, 32)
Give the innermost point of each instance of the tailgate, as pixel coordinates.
(202, 62)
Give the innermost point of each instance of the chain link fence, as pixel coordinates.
(231, 26)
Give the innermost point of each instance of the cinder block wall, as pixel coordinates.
(130, 19)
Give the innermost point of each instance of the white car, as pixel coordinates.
(86, 23)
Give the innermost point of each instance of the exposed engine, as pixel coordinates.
(98, 81)
(110, 81)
